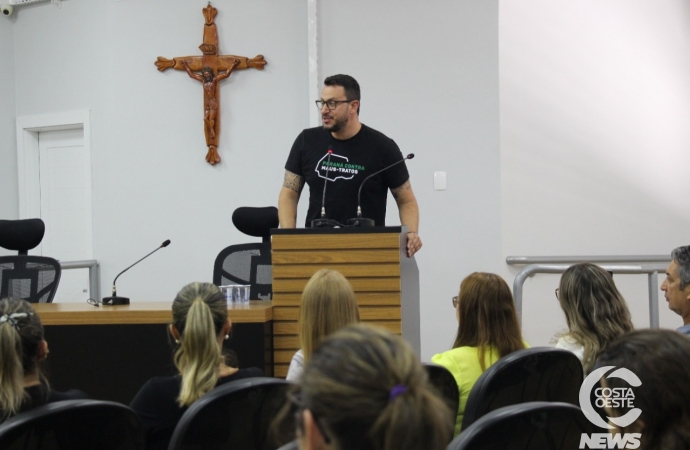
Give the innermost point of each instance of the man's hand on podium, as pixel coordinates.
(413, 243)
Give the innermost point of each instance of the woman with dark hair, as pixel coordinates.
(595, 311)
(364, 389)
(200, 324)
(22, 348)
(661, 360)
(488, 330)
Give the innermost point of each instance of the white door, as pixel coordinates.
(65, 188)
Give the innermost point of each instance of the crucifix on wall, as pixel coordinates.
(213, 68)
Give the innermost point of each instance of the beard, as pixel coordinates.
(336, 125)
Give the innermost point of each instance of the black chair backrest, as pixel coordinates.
(256, 221)
(21, 235)
(74, 425)
(527, 426)
(235, 415)
(534, 374)
(33, 278)
(445, 383)
(246, 264)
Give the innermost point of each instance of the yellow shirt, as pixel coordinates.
(463, 363)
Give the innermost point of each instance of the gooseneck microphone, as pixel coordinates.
(359, 221)
(115, 300)
(323, 221)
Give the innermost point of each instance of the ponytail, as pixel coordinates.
(11, 371)
(199, 312)
(413, 420)
(21, 334)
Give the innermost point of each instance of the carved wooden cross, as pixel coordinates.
(210, 65)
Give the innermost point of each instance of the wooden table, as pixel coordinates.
(111, 351)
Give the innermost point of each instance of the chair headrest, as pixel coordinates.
(21, 235)
(256, 221)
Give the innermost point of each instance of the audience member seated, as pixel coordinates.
(676, 286)
(22, 348)
(364, 389)
(200, 324)
(328, 304)
(595, 312)
(488, 330)
(660, 359)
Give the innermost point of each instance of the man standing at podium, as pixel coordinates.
(337, 157)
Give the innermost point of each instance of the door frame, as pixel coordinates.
(28, 160)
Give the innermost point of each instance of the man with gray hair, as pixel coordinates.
(676, 286)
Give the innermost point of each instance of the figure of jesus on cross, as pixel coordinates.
(213, 68)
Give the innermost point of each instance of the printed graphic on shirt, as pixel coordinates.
(337, 167)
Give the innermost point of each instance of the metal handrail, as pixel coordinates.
(92, 265)
(652, 271)
(636, 259)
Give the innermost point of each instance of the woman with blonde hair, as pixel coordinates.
(595, 311)
(365, 389)
(200, 324)
(488, 330)
(328, 304)
(22, 348)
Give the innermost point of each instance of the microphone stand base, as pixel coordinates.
(361, 222)
(112, 301)
(322, 223)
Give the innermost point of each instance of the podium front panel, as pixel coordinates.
(374, 260)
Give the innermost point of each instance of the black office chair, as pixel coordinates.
(74, 425)
(249, 263)
(527, 426)
(238, 414)
(445, 384)
(534, 374)
(33, 278)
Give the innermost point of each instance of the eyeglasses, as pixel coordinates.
(330, 104)
(296, 400)
(556, 292)
(455, 301)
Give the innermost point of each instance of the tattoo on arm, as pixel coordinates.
(293, 181)
(404, 187)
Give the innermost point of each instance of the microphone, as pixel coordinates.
(323, 221)
(359, 221)
(115, 300)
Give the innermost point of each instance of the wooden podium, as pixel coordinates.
(374, 260)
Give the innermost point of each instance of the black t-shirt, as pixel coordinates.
(351, 162)
(157, 407)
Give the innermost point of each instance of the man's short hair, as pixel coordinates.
(348, 83)
(681, 256)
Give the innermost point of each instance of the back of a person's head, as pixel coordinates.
(328, 304)
(595, 310)
(661, 360)
(21, 335)
(486, 315)
(199, 313)
(367, 390)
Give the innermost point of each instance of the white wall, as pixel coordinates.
(9, 208)
(150, 179)
(429, 79)
(595, 106)
(593, 128)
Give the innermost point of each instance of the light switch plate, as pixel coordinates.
(439, 181)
